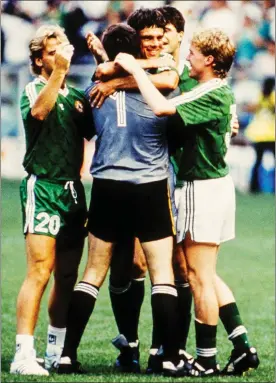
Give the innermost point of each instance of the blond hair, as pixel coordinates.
(216, 43)
(38, 43)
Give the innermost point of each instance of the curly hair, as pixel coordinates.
(216, 43)
(38, 43)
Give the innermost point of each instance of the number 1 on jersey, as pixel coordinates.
(120, 98)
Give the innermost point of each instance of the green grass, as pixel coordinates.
(246, 264)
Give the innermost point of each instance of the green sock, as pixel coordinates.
(206, 344)
(237, 333)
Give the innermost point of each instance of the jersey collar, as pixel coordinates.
(64, 92)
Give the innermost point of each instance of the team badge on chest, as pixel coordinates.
(79, 106)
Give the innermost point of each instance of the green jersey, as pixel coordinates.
(54, 146)
(186, 83)
(175, 132)
(205, 113)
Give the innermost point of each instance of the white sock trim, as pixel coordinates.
(163, 289)
(56, 330)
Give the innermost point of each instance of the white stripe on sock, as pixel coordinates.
(237, 331)
(164, 290)
(88, 289)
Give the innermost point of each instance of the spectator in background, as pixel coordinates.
(246, 43)
(52, 13)
(247, 91)
(264, 62)
(13, 7)
(73, 19)
(220, 15)
(264, 30)
(151, 4)
(16, 43)
(261, 130)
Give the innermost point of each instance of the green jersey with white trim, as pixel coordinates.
(206, 115)
(54, 146)
(175, 132)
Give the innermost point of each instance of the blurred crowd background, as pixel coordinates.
(250, 23)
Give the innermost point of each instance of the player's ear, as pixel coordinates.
(38, 62)
(180, 36)
(209, 60)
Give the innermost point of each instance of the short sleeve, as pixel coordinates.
(198, 107)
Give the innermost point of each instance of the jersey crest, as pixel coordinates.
(79, 106)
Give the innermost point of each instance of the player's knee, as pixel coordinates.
(119, 288)
(180, 270)
(41, 274)
(66, 280)
(119, 280)
(199, 278)
(139, 268)
(139, 271)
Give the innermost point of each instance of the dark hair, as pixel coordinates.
(146, 18)
(173, 16)
(120, 38)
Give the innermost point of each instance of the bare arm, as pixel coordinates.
(96, 48)
(167, 80)
(109, 70)
(157, 102)
(48, 96)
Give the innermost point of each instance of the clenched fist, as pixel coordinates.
(63, 56)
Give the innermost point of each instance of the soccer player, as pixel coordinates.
(206, 114)
(129, 198)
(56, 119)
(127, 296)
(127, 293)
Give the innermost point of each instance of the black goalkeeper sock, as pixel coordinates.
(126, 304)
(206, 344)
(165, 319)
(184, 309)
(81, 307)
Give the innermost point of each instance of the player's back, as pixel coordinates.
(131, 141)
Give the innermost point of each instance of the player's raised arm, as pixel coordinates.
(96, 48)
(59, 59)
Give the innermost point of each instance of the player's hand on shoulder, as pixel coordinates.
(100, 92)
(127, 62)
(167, 60)
(63, 56)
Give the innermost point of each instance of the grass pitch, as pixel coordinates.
(247, 264)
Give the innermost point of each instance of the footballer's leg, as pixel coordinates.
(201, 262)
(83, 301)
(155, 230)
(164, 294)
(126, 298)
(243, 357)
(106, 225)
(68, 256)
(40, 251)
(184, 298)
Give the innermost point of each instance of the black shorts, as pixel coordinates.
(119, 210)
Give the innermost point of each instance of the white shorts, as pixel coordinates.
(207, 209)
